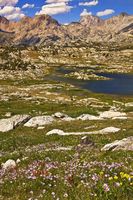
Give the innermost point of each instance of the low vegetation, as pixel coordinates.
(63, 167)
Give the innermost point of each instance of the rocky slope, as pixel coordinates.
(44, 29)
(40, 29)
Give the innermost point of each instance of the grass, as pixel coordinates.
(15, 144)
(83, 173)
(23, 107)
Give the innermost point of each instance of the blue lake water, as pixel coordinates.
(119, 84)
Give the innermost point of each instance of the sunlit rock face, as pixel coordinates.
(43, 29)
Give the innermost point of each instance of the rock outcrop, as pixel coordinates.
(39, 121)
(8, 165)
(124, 144)
(62, 116)
(102, 131)
(88, 117)
(112, 114)
(10, 123)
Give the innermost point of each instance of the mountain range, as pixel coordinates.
(44, 30)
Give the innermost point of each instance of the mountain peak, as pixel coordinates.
(123, 14)
(45, 18)
(4, 23)
(3, 20)
(43, 29)
(90, 20)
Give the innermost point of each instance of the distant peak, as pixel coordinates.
(46, 18)
(3, 20)
(123, 14)
(25, 19)
(87, 16)
(42, 17)
(90, 20)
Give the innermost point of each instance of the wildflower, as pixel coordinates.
(127, 176)
(44, 191)
(101, 173)
(124, 175)
(121, 174)
(115, 177)
(66, 195)
(53, 193)
(117, 184)
(94, 177)
(106, 187)
(110, 178)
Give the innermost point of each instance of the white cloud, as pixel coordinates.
(8, 2)
(27, 5)
(11, 12)
(55, 8)
(91, 3)
(66, 24)
(105, 12)
(57, 1)
(85, 13)
(7, 10)
(14, 16)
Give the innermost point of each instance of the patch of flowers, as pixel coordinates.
(99, 178)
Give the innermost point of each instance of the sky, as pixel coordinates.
(65, 11)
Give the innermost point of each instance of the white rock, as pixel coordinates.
(40, 127)
(124, 144)
(60, 149)
(88, 117)
(63, 117)
(121, 118)
(8, 165)
(109, 130)
(103, 131)
(39, 121)
(68, 119)
(56, 131)
(10, 123)
(18, 161)
(111, 114)
(130, 104)
(8, 114)
(6, 125)
(59, 115)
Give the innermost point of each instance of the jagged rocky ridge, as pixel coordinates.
(44, 29)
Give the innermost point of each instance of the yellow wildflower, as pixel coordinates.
(115, 177)
(127, 176)
(124, 175)
(101, 173)
(121, 174)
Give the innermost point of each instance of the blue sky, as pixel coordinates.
(65, 11)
